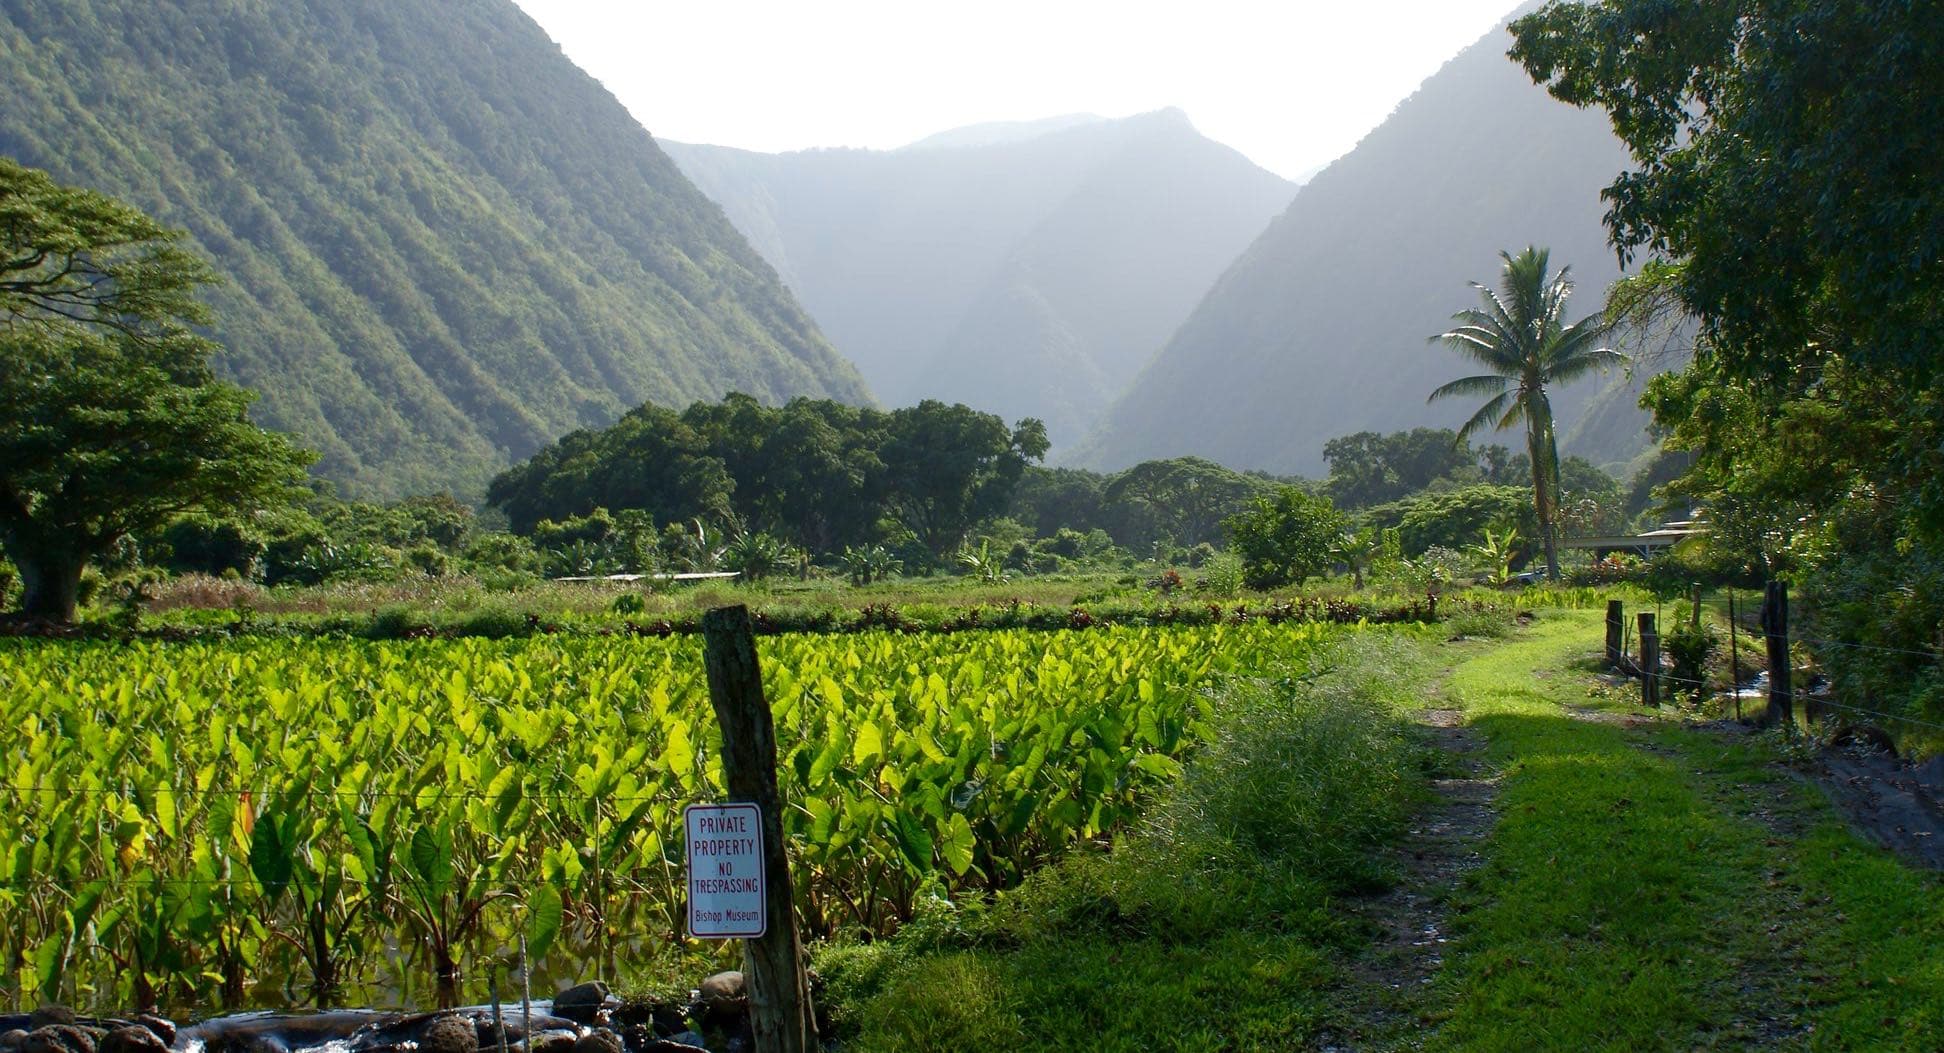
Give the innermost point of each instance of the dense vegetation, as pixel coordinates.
(1031, 272)
(110, 420)
(1784, 194)
(443, 244)
(186, 821)
(1318, 330)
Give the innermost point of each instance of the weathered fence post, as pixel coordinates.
(1649, 660)
(1616, 620)
(1734, 656)
(780, 1012)
(1775, 626)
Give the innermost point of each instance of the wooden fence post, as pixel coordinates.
(780, 1012)
(1734, 655)
(1649, 660)
(1616, 620)
(1775, 626)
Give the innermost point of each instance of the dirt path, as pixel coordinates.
(1411, 920)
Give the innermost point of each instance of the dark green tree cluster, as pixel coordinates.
(1785, 193)
(1437, 489)
(814, 473)
(111, 422)
(1153, 506)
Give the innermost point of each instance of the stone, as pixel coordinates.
(552, 1042)
(723, 997)
(582, 1003)
(49, 1014)
(449, 1034)
(1930, 774)
(132, 1038)
(600, 1041)
(13, 1040)
(59, 1038)
(676, 1045)
(163, 1027)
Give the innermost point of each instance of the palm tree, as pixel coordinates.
(1521, 336)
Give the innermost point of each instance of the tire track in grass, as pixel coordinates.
(1651, 887)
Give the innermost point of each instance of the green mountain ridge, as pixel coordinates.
(1026, 268)
(445, 244)
(1319, 329)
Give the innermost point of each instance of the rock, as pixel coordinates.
(723, 997)
(598, 1042)
(686, 1042)
(49, 1014)
(1930, 774)
(163, 1027)
(132, 1038)
(582, 1003)
(13, 1041)
(449, 1034)
(552, 1042)
(59, 1038)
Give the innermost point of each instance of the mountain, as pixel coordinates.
(1319, 329)
(445, 244)
(1028, 269)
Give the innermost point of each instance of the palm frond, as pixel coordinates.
(1484, 384)
(1485, 415)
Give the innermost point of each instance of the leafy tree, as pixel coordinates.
(1182, 500)
(1048, 499)
(1368, 468)
(950, 466)
(1453, 518)
(111, 422)
(1784, 190)
(1521, 336)
(1284, 538)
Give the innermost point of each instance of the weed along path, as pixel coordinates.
(1649, 885)
(1390, 998)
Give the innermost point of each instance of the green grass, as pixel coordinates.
(1662, 888)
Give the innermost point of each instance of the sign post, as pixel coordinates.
(751, 828)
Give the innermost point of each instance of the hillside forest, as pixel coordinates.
(400, 455)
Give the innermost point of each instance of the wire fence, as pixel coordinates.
(1812, 701)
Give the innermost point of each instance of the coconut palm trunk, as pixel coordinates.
(1520, 335)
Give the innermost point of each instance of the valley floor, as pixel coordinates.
(1580, 875)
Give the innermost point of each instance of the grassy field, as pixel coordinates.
(1654, 886)
(1644, 885)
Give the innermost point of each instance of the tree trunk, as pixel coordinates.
(52, 578)
(1536, 449)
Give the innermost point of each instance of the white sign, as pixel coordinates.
(725, 871)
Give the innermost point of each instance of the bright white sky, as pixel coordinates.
(1292, 84)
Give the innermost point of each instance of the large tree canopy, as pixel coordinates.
(818, 472)
(110, 419)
